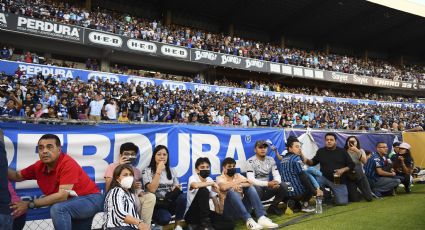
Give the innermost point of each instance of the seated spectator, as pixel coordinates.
(259, 168)
(163, 182)
(334, 163)
(65, 185)
(403, 165)
(120, 203)
(128, 154)
(395, 149)
(380, 180)
(292, 171)
(51, 113)
(238, 197)
(357, 178)
(10, 110)
(123, 117)
(202, 190)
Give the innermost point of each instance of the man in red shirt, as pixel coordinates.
(74, 198)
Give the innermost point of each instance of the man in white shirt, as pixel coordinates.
(111, 110)
(259, 168)
(96, 108)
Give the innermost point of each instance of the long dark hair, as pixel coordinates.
(116, 175)
(152, 165)
(347, 146)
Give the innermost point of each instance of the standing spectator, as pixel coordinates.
(95, 108)
(380, 180)
(264, 121)
(19, 219)
(10, 109)
(63, 109)
(4, 53)
(111, 110)
(74, 198)
(163, 182)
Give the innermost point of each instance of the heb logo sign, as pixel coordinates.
(105, 39)
(3, 21)
(147, 47)
(174, 51)
(205, 55)
(48, 28)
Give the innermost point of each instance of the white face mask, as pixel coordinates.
(127, 182)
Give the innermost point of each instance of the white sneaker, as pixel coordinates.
(178, 227)
(252, 225)
(308, 209)
(266, 222)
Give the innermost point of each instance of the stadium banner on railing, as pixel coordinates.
(49, 29)
(94, 147)
(123, 43)
(227, 60)
(417, 141)
(10, 67)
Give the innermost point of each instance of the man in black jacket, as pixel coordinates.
(334, 164)
(5, 217)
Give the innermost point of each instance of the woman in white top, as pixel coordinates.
(120, 202)
(163, 182)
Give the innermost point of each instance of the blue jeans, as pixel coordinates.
(235, 207)
(77, 212)
(339, 190)
(163, 216)
(6, 222)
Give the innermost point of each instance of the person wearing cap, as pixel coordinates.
(259, 168)
(395, 149)
(380, 180)
(403, 165)
(128, 155)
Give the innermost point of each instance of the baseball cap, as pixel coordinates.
(261, 143)
(404, 145)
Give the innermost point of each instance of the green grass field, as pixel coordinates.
(404, 211)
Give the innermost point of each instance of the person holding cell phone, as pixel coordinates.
(357, 178)
(128, 155)
(161, 180)
(334, 164)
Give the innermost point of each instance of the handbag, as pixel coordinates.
(168, 199)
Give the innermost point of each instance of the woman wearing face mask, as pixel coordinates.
(120, 202)
(163, 182)
(357, 178)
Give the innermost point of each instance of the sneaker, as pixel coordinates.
(274, 210)
(266, 222)
(252, 225)
(407, 188)
(308, 209)
(178, 227)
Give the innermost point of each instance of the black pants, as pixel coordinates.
(404, 178)
(361, 183)
(310, 190)
(199, 210)
(266, 193)
(19, 223)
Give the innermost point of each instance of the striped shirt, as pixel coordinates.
(118, 204)
(292, 167)
(374, 162)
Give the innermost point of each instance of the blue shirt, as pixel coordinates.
(291, 168)
(374, 162)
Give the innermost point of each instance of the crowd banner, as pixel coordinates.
(9, 67)
(368, 141)
(417, 142)
(89, 37)
(94, 147)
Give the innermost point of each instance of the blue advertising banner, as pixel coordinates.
(95, 147)
(63, 73)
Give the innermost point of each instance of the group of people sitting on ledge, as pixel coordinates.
(141, 198)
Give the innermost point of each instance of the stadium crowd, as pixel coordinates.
(56, 97)
(153, 30)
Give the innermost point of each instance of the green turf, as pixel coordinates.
(404, 211)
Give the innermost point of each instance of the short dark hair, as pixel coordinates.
(202, 160)
(291, 140)
(51, 136)
(380, 142)
(228, 161)
(129, 146)
(330, 134)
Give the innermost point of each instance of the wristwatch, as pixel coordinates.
(31, 205)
